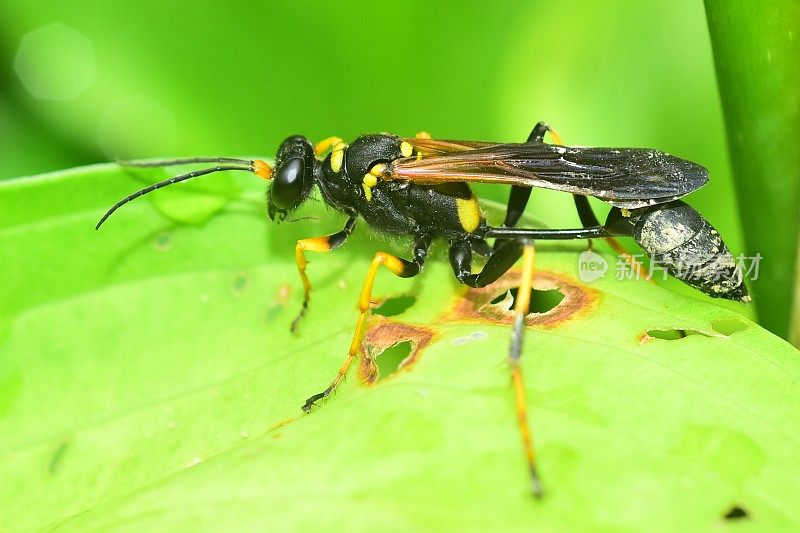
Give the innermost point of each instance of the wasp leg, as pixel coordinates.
(519, 196)
(521, 307)
(517, 201)
(538, 132)
(549, 234)
(499, 262)
(400, 267)
(589, 219)
(587, 216)
(481, 247)
(316, 244)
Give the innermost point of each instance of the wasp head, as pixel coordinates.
(292, 178)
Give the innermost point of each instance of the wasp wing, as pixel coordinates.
(623, 177)
(434, 147)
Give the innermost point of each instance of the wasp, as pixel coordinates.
(420, 187)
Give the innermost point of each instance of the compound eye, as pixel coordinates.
(287, 186)
(294, 146)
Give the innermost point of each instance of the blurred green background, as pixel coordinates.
(86, 82)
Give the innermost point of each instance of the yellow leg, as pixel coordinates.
(614, 243)
(326, 144)
(316, 244)
(423, 135)
(521, 308)
(554, 134)
(400, 268)
(638, 267)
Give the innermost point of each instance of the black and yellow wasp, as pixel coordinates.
(420, 187)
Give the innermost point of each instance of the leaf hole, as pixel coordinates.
(729, 326)
(390, 360)
(736, 512)
(499, 298)
(541, 301)
(395, 306)
(671, 334)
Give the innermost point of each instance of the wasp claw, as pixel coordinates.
(537, 489)
(295, 326)
(311, 402)
(299, 318)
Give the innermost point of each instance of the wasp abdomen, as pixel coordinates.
(679, 239)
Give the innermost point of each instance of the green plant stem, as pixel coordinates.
(758, 69)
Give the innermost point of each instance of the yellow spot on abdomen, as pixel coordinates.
(469, 213)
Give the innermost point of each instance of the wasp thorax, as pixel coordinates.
(370, 150)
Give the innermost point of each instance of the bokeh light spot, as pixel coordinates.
(55, 62)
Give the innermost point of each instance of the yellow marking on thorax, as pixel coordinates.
(406, 149)
(324, 144)
(367, 184)
(337, 156)
(370, 179)
(469, 213)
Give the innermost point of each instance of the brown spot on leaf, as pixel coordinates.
(475, 305)
(382, 334)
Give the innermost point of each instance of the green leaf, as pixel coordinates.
(148, 378)
(756, 53)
